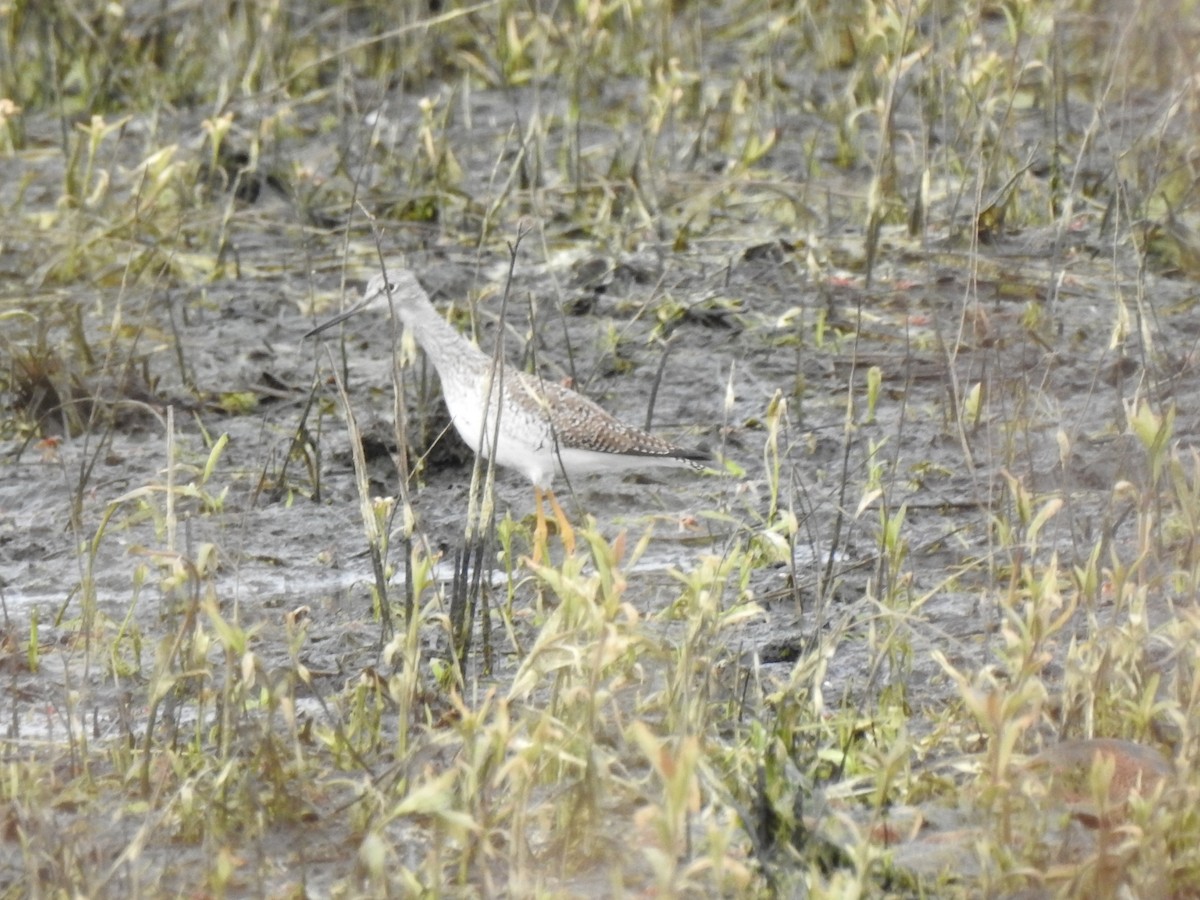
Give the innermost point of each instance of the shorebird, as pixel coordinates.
(537, 427)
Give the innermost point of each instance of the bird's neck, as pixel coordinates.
(437, 337)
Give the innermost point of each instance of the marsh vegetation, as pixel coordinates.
(922, 275)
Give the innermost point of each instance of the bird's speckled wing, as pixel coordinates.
(580, 424)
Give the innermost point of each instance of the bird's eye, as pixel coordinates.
(390, 287)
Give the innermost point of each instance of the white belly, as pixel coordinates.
(524, 442)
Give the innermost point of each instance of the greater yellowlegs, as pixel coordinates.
(537, 427)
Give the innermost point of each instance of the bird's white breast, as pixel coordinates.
(524, 441)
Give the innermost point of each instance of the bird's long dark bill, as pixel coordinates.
(339, 318)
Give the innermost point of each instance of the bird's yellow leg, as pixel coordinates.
(564, 527)
(539, 530)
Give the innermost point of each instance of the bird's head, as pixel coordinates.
(395, 285)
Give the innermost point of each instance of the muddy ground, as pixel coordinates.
(717, 330)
